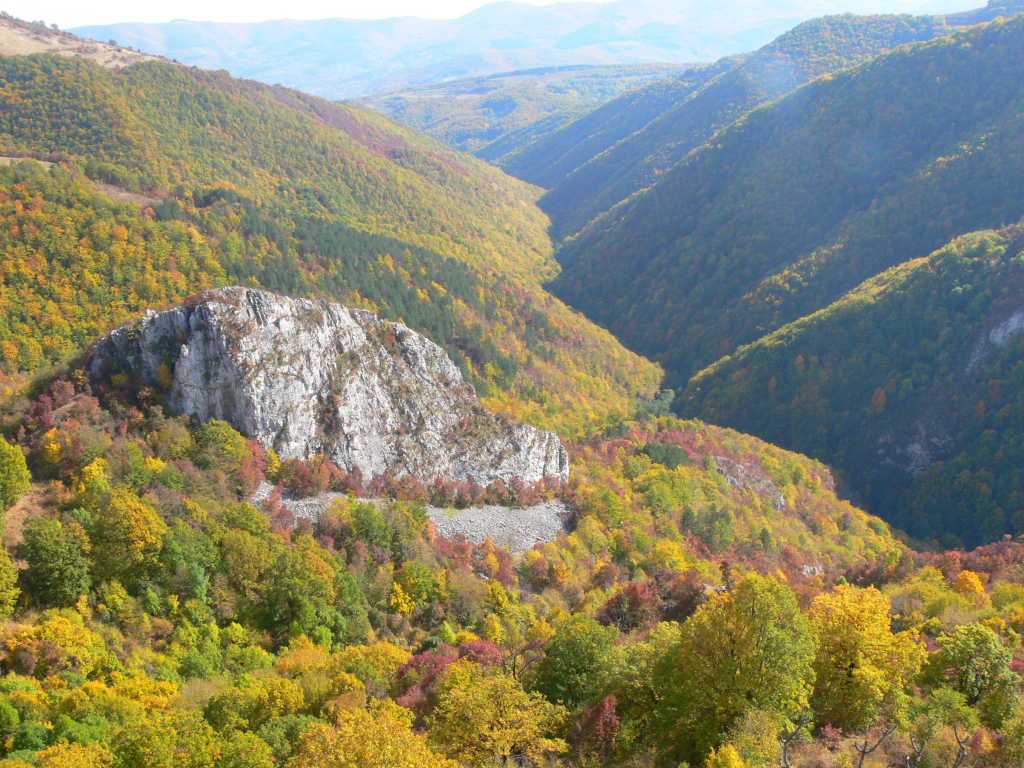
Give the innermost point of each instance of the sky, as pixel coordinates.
(77, 13)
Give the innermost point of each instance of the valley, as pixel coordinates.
(654, 398)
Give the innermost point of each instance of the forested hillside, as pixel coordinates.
(923, 363)
(175, 594)
(800, 55)
(804, 199)
(272, 187)
(155, 619)
(549, 159)
(495, 117)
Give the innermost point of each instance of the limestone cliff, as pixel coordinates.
(312, 377)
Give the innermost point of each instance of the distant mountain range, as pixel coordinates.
(340, 58)
(497, 116)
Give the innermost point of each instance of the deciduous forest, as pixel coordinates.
(791, 536)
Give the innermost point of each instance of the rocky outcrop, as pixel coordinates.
(738, 476)
(310, 377)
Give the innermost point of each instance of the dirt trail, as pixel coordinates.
(28, 506)
(16, 160)
(20, 38)
(124, 196)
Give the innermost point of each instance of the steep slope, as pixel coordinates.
(728, 493)
(812, 49)
(804, 199)
(911, 384)
(312, 378)
(550, 159)
(342, 58)
(476, 114)
(272, 187)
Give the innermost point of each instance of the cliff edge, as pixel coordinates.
(311, 377)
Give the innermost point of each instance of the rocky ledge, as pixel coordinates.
(311, 378)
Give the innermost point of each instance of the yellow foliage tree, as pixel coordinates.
(726, 757)
(93, 483)
(67, 755)
(400, 602)
(274, 466)
(968, 584)
(380, 660)
(861, 667)
(14, 475)
(378, 738)
(129, 535)
(484, 717)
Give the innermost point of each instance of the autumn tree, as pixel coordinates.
(71, 755)
(485, 717)
(128, 535)
(166, 740)
(861, 668)
(9, 591)
(379, 737)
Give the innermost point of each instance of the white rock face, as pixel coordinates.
(311, 377)
(1000, 335)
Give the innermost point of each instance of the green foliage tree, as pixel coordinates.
(14, 475)
(750, 647)
(57, 572)
(943, 710)
(573, 658)
(975, 662)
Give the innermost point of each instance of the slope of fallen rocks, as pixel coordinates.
(516, 529)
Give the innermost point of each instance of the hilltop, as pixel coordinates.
(20, 38)
(343, 58)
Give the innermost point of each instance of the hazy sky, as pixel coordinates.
(76, 13)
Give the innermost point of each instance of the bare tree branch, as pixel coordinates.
(865, 750)
(786, 738)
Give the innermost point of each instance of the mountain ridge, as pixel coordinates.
(815, 48)
(369, 213)
(343, 58)
(846, 178)
(909, 384)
